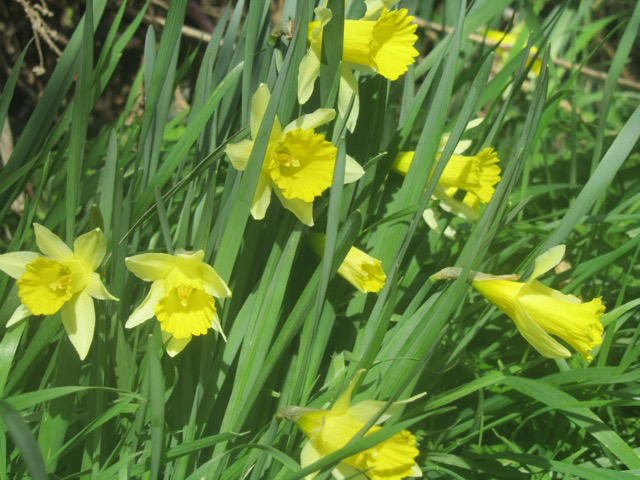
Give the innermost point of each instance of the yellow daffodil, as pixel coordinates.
(298, 165)
(507, 42)
(181, 296)
(330, 430)
(384, 45)
(60, 280)
(359, 269)
(538, 310)
(476, 175)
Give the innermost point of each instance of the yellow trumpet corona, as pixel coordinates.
(358, 268)
(181, 296)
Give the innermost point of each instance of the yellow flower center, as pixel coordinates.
(301, 164)
(185, 311)
(45, 286)
(385, 44)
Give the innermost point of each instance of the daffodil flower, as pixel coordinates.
(330, 430)
(359, 269)
(476, 175)
(60, 280)
(181, 296)
(539, 311)
(507, 42)
(298, 165)
(384, 45)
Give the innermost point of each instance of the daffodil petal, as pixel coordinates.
(374, 7)
(342, 403)
(96, 288)
(346, 472)
(324, 16)
(239, 153)
(307, 74)
(312, 120)
(261, 198)
(19, 314)
(145, 310)
(217, 326)
(150, 266)
(213, 284)
(353, 171)
(90, 248)
(79, 320)
(176, 345)
(547, 261)
(259, 103)
(455, 206)
(15, 263)
(301, 209)
(363, 411)
(429, 216)
(308, 456)
(461, 147)
(348, 88)
(50, 244)
(536, 336)
(416, 471)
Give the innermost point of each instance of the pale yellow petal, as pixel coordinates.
(312, 120)
(537, 337)
(90, 248)
(213, 284)
(307, 74)
(79, 320)
(15, 263)
(150, 266)
(145, 310)
(310, 65)
(176, 345)
(374, 7)
(50, 244)
(455, 206)
(548, 260)
(348, 88)
(343, 402)
(19, 314)
(259, 104)
(261, 197)
(301, 209)
(347, 472)
(416, 471)
(353, 171)
(96, 288)
(239, 153)
(217, 326)
(365, 410)
(461, 147)
(308, 456)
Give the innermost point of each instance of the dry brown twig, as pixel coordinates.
(474, 37)
(196, 34)
(40, 29)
